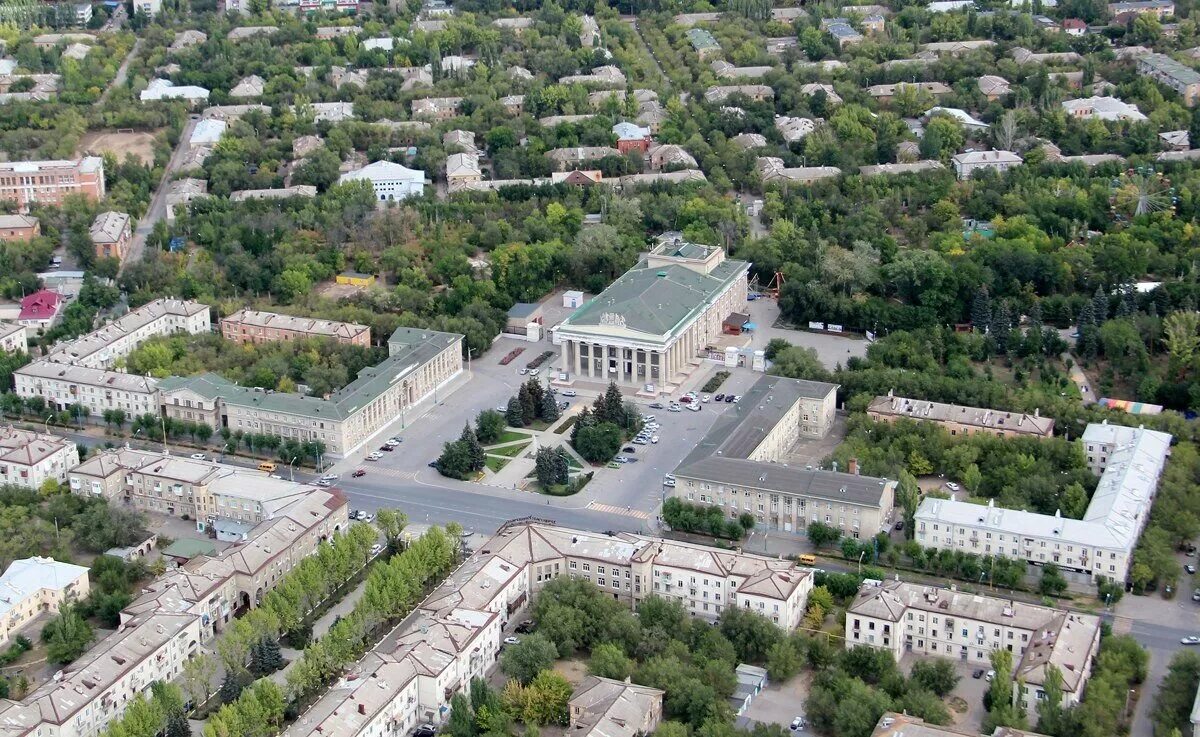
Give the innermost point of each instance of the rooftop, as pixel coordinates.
(308, 325)
(92, 349)
(29, 575)
(919, 409)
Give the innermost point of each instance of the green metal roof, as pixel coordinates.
(702, 39)
(409, 347)
(656, 300)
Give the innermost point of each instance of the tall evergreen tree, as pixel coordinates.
(549, 407)
(514, 415)
(528, 408)
(474, 449)
(612, 405)
(981, 311)
(536, 392)
(1087, 317)
(272, 656)
(562, 465)
(177, 725)
(1035, 314)
(585, 419)
(232, 686)
(1100, 305)
(1001, 326)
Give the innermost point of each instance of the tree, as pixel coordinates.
(548, 467)
(546, 699)
(232, 686)
(1002, 712)
(530, 656)
(821, 534)
(462, 720)
(474, 449)
(609, 661)
(1182, 337)
(392, 523)
(67, 636)
(598, 443)
(198, 673)
(528, 404)
(1177, 693)
(177, 725)
(935, 675)
(515, 413)
(1052, 582)
(549, 409)
(1052, 718)
(752, 635)
(783, 660)
(489, 426)
(455, 460)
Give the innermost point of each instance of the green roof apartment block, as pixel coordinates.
(705, 44)
(649, 327)
(419, 361)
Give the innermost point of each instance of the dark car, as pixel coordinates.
(432, 464)
(900, 525)
(629, 449)
(386, 448)
(425, 730)
(729, 398)
(977, 674)
(719, 398)
(656, 405)
(525, 627)
(359, 473)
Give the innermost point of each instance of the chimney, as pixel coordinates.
(852, 467)
(362, 708)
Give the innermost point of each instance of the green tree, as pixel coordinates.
(609, 661)
(1052, 582)
(530, 656)
(1176, 695)
(515, 414)
(935, 675)
(783, 660)
(598, 443)
(821, 534)
(489, 426)
(549, 408)
(67, 636)
(475, 452)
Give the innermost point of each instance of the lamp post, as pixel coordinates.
(291, 468)
(860, 557)
(46, 424)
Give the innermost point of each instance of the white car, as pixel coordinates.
(501, 408)
(1191, 640)
(951, 486)
(669, 483)
(534, 372)
(669, 476)
(323, 482)
(674, 408)
(376, 549)
(622, 459)
(330, 477)
(640, 441)
(648, 419)
(654, 439)
(512, 640)
(737, 398)
(522, 372)
(374, 455)
(392, 443)
(704, 398)
(569, 393)
(198, 457)
(694, 407)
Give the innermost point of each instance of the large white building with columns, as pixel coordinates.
(651, 325)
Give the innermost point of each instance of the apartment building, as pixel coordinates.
(98, 687)
(904, 618)
(42, 309)
(101, 348)
(28, 459)
(604, 707)
(892, 724)
(410, 677)
(48, 182)
(111, 233)
(966, 164)
(35, 585)
(1129, 462)
(213, 588)
(1179, 77)
(252, 326)
(205, 491)
(1123, 11)
(419, 363)
(960, 420)
(14, 338)
(62, 385)
(19, 228)
(741, 465)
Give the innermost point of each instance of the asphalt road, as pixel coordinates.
(158, 202)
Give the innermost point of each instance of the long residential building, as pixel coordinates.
(48, 182)
(741, 465)
(62, 385)
(902, 617)
(1179, 77)
(205, 491)
(212, 588)
(28, 459)
(1129, 462)
(101, 348)
(418, 364)
(649, 326)
(36, 585)
(960, 420)
(252, 326)
(411, 676)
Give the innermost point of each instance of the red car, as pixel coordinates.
(685, 400)
(359, 473)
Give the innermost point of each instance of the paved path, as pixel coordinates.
(633, 21)
(122, 73)
(158, 202)
(1081, 380)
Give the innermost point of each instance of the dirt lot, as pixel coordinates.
(139, 144)
(333, 290)
(572, 670)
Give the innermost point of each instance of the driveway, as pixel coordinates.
(833, 350)
(780, 703)
(969, 690)
(158, 201)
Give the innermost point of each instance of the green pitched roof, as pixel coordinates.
(656, 300)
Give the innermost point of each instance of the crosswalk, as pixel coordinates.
(610, 509)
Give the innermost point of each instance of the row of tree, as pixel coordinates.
(598, 432)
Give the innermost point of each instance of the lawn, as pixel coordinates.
(495, 463)
(509, 436)
(566, 425)
(511, 451)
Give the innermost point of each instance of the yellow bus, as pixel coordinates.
(267, 466)
(808, 559)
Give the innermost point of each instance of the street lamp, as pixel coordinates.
(47, 423)
(291, 468)
(860, 557)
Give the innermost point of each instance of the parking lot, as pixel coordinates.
(967, 695)
(780, 703)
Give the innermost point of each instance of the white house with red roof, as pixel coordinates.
(42, 309)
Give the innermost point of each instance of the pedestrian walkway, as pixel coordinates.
(610, 509)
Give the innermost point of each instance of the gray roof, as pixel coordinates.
(657, 300)
(409, 349)
(721, 457)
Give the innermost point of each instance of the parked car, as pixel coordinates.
(1191, 569)
(719, 398)
(669, 476)
(386, 448)
(654, 439)
(674, 408)
(694, 407)
(649, 419)
(656, 405)
(1196, 595)
(465, 534)
(736, 398)
(197, 456)
(564, 405)
(622, 459)
(640, 441)
(669, 483)
(685, 400)
(728, 398)
(900, 525)
(425, 730)
(570, 393)
(951, 486)
(991, 674)
(358, 473)
(525, 626)
(374, 455)
(1190, 640)
(534, 372)
(392, 442)
(512, 640)
(704, 398)
(376, 549)
(329, 477)
(977, 674)
(798, 724)
(323, 482)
